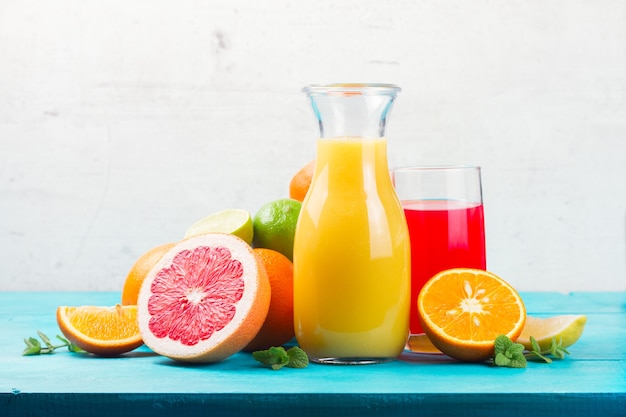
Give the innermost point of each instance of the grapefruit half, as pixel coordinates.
(204, 300)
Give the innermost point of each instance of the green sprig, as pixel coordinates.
(35, 347)
(510, 354)
(278, 357)
(556, 350)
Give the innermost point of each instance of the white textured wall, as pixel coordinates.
(123, 122)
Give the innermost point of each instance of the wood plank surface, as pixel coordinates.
(591, 381)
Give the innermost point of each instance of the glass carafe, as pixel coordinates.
(351, 250)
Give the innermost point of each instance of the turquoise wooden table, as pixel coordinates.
(589, 382)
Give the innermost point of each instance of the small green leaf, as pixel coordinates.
(518, 362)
(274, 357)
(501, 359)
(33, 347)
(45, 339)
(75, 349)
(501, 344)
(507, 353)
(297, 358)
(278, 357)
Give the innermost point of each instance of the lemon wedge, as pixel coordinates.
(234, 221)
(566, 328)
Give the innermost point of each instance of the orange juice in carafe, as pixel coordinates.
(351, 256)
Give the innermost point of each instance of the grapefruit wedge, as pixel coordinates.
(204, 300)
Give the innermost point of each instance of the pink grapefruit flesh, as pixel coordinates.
(204, 300)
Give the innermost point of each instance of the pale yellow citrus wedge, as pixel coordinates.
(566, 328)
(420, 343)
(237, 222)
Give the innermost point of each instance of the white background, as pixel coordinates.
(124, 122)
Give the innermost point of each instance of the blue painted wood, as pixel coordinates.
(591, 381)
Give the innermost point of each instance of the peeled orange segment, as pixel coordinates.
(234, 221)
(566, 328)
(463, 310)
(204, 300)
(105, 331)
(420, 343)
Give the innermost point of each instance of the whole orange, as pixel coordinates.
(278, 326)
(139, 270)
(300, 183)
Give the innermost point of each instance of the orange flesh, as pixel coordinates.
(473, 309)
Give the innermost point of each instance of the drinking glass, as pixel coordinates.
(443, 207)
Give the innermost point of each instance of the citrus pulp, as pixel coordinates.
(567, 329)
(463, 310)
(204, 300)
(105, 331)
(234, 221)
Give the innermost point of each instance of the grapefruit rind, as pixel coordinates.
(460, 348)
(250, 314)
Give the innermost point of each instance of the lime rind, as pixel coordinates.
(237, 222)
(566, 328)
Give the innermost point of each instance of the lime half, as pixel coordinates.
(566, 328)
(234, 221)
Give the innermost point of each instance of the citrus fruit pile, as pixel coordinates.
(463, 311)
(226, 286)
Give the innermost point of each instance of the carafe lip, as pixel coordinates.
(452, 167)
(353, 88)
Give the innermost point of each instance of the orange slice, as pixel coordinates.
(105, 331)
(463, 310)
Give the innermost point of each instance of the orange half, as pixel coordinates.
(105, 331)
(463, 310)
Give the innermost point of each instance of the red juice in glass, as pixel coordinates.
(444, 234)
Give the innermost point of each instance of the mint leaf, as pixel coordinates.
(274, 357)
(277, 357)
(297, 358)
(501, 344)
(508, 354)
(35, 347)
(556, 350)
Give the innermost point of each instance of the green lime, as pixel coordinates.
(275, 225)
(234, 221)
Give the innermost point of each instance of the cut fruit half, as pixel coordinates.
(420, 343)
(234, 221)
(105, 331)
(566, 328)
(204, 300)
(463, 310)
